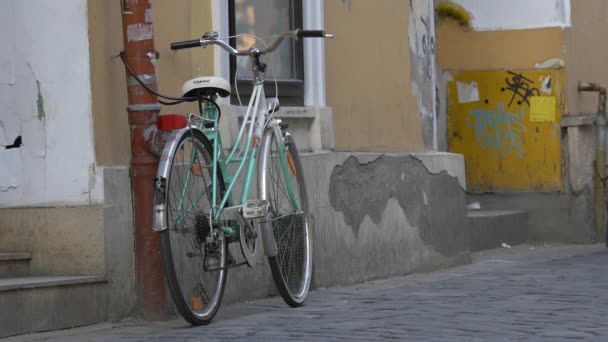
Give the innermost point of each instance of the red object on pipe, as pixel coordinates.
(143, 110)
(169, 122)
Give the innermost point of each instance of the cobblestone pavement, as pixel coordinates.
(527, 293)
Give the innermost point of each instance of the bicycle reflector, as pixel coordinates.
(169, 122)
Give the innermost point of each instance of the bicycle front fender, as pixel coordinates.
(159, 220)
(270, 245)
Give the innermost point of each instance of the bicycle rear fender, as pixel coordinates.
(159, 220)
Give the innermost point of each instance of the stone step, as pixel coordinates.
(33, 304)
(14, 264)
(492, 228)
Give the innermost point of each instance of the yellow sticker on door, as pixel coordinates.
(542, 108)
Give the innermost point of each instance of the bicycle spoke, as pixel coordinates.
(197, 292)
(291, 265)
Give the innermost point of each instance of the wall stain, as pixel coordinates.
(436, 204)
(40, 103)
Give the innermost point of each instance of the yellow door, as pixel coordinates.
(507, 125)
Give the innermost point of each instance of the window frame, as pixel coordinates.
(291, 91)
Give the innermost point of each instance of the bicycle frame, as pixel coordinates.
(255, 117)
(188, 194)
(258, 122)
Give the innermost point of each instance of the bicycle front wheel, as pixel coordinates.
(289, 217)
(194, 250)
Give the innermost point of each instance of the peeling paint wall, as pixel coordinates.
(376, 215)
(45, 97)
(421, 36)
(432, 203)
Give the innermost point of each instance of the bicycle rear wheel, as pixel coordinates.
(289, 217)
(194, 251)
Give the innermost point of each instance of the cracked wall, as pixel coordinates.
(45, 99)
(377, 215)
(434, 203)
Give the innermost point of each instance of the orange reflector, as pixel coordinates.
(196, 170)
(169, 122)
(292, 166)
(197, 303)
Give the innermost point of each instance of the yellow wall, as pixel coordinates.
(108, 80)
(108, 84)
(368, 76)
(176, 67)
(462, 49)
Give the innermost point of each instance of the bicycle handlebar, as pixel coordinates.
(210, 38)
(186, 44)
(311, 34)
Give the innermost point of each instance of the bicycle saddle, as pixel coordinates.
(206, 87)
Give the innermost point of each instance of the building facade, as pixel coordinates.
(380, 114)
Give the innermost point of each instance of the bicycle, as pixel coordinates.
(195, 209)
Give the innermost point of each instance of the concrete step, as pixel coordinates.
(491, 228)
(14, 264)
(33, 304)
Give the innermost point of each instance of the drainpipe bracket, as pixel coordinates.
(146, 107)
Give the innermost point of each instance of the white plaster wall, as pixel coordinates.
(421, 35)
(45, 97)
(517, 14)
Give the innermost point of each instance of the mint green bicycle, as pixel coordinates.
(195, 209)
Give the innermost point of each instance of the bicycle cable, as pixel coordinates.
(238, 65)
(176, 100)
(236, 72)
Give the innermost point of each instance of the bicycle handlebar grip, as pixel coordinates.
(186, 44)
(311, 34)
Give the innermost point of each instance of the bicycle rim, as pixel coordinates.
(292, 266)
(194, 253)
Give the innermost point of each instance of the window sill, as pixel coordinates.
(312, 127)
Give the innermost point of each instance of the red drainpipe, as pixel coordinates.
(143, 109)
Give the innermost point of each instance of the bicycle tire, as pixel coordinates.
(292, 266)
(187, 245)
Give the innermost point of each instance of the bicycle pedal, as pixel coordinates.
(255, 209)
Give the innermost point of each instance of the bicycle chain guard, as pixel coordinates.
(251, 241)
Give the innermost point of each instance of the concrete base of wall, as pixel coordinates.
(552, 217)
(93, 241)
(375, 215)
(66, 303)
(492, 228)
